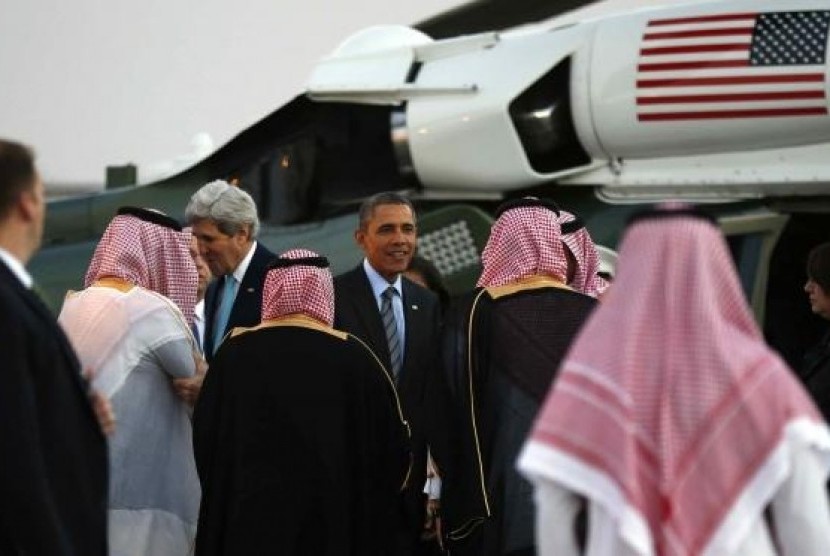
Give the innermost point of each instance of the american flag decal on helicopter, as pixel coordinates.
(733, 66)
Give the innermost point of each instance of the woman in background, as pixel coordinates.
(815, 370)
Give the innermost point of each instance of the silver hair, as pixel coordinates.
(228, 206)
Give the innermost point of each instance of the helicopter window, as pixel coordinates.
(309, 156)
(746, 252)
(751, 238)
(280, 183)
(541, 115)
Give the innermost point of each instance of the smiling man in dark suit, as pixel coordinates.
(53, 475)
(399, 320)
(225, 223)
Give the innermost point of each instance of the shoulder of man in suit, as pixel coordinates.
(425, 295)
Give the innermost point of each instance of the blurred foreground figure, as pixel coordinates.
(130, 327)
(671, 425)
(299, 438)
(53, 458)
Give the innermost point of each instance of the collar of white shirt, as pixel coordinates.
(17, 268)
(379, 283)
(242, 268)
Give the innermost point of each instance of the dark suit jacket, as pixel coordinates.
(247, 307)
(815, 374)
(356, 311)
(53, 456)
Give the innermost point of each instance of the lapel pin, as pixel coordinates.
(414, 307)
(250, 290)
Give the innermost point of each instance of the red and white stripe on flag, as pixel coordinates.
(733, 66)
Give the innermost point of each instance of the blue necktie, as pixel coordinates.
(390, 326)
(223, 312)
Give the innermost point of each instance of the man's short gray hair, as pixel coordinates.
(228, 206)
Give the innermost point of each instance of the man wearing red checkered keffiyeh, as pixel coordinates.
(525, 241)
(501, 347)
(584, 277)
(298, 290)
(304, 415)
(129, 327)
(672, 423)
(152, 255)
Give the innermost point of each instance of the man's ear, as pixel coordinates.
(27, 203)
(359, 236)
(245, 234)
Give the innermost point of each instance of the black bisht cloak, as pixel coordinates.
(519, 335)
(299, 445)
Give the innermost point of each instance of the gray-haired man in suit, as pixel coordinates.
(225, 223)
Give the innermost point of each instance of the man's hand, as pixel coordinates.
(432, 523)
(187, 389)
(101, 406)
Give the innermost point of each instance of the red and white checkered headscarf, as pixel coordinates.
(149, 255)
(299, 289)
(579, 243)
(670, 410)
(524, 241)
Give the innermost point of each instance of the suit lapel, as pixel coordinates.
(211, 296)
(250, 289)
(410, 315)
(414, 324)
(366, 308)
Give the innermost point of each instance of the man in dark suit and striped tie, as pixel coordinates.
(399, 320)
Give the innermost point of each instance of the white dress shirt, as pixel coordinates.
(379, 285)
(199, 322)
(17, 268)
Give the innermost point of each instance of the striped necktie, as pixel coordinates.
(390, 326)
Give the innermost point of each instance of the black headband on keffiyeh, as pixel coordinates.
(151, 216)
(572, 226)
(319, 262)
(298, 282)
(526, 202)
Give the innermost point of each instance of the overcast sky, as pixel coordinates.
(95, 82)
